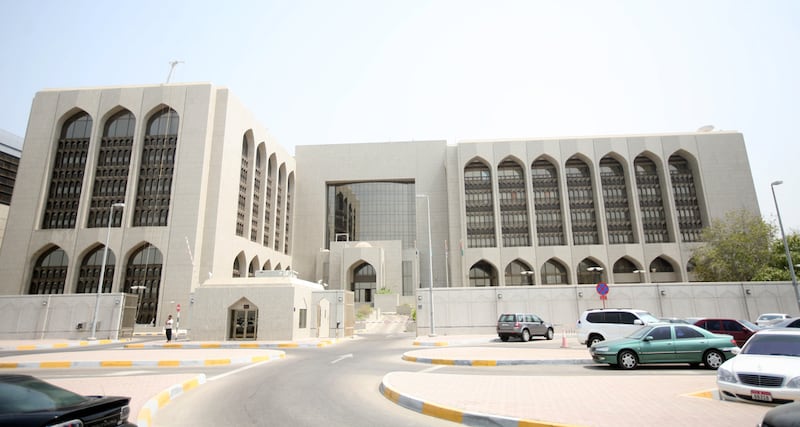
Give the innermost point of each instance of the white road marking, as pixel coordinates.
(346, 356)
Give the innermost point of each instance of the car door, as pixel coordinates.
(737, 330)
(658, 346)
(689, 344)
(537, 325)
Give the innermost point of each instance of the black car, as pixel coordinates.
(786, 415)
(28, 401)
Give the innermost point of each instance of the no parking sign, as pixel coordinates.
(602, 290)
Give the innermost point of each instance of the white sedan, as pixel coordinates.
(766, 370)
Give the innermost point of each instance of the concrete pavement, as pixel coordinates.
(620, 398)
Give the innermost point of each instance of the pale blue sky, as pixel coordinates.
(325, 72)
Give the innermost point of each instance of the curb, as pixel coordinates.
(139, 363)
(211, 345)
(151, 407)
(456, 416)
(28, 347)
(468, 362)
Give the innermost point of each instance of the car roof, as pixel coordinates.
(779, 331)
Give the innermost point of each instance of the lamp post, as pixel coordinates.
(785, 243)
(430, 260)
(103, 269)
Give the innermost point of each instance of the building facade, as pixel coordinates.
(10, 152)
(178, 187)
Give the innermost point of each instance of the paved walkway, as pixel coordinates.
(619, 398)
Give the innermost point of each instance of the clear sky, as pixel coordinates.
(326, 72)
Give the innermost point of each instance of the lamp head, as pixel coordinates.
(774, 183)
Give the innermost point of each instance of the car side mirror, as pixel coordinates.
(638, 322)
(648, 338)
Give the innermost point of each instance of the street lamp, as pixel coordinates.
(785, 243)
(103, 269)
(430, 260)
(598, 270)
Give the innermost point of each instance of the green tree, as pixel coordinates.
(777, 269)
(734, 249)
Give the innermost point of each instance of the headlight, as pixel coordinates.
(601, 349)
(726, 376)
(793, 383)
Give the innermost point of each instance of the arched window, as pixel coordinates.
(518, 274)
(590, 272)
(279, 206)
(623, 265)
(581, 203)
(66, 179)
(268, 202)
(91, 266)
(547, 204)
(554, 273)
(687, 207)
(364, 282)
(111, 172)
(651, 204)
(154, 189)
(251, 270)
(49, 273)
(479, 206)
(143, 277)
(237, 271)
(482, 274)
(660, 265)
(256, 205)
(243, 170)
(513, 204)
(615, 201)
(288, 222)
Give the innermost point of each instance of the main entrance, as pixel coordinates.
(243, 321)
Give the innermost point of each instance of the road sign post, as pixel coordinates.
(602, 290)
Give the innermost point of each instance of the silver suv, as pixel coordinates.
(523, 325)
(597, 325)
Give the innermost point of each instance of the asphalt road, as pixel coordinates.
(333, 386)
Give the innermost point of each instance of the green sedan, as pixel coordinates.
(666, 343)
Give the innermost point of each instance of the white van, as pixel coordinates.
(597, 324)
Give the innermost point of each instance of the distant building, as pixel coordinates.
(210, 199)
(10, 152)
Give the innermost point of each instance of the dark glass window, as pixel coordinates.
(8, 174)
(651, 204)
(687, 206)
(586, 276)
(547, 204)
(154, 189)
(581, 203)
(370, 211)
(554, 273)
(364, 283)
(660, 265)
(279, 207)
(143, 277)
(256, 205)
(288, 221)
(111, 172)
(479, 206)
(63, 197)
(615, 202)
(482, 274)
(513, 204)
(518, 273)
(241, 206)
(268, 202)
(49, 273)
(90, 271)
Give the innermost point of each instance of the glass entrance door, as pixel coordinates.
(244, 324)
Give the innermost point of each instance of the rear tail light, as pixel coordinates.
(517, 325)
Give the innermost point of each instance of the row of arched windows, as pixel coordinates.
(274, 224)
(112, 171)
(142, 275)
(252, 266)
(614, 202)
(555, 272)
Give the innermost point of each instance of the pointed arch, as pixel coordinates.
(244, 184)
(547, 202)
(268, 203)
(513, 202)
(588, 272)
(154, 186)
(143, 277)
(519, 273)
(258, 178)
(49, 272)
(482, 274)
(613, 179)
(661, 265)
(280, 206)
(68, 169)
(288, 222)
(554, 272)
(112, 168)
(627, 270)
(651, 201)
(253, 267)
(239, 264)
(580, 192)
(479, 205)
(91, 266)
(364, 281)
(267, 266)
(687, 205)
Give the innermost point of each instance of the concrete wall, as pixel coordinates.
(475, 310)
(59, 316)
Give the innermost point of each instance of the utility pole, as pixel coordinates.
(172, 65)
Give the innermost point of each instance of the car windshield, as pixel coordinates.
(641, 333)
(27, 394)
(769, 317)
(773, 345)
(647, 317)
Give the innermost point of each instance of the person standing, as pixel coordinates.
(168, 328)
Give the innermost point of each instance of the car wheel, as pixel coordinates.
(549, 334)
(594, 339)
(713, 359)
(627, 359)
(526, 335)
(503, 338)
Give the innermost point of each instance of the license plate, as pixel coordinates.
(762, 396)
